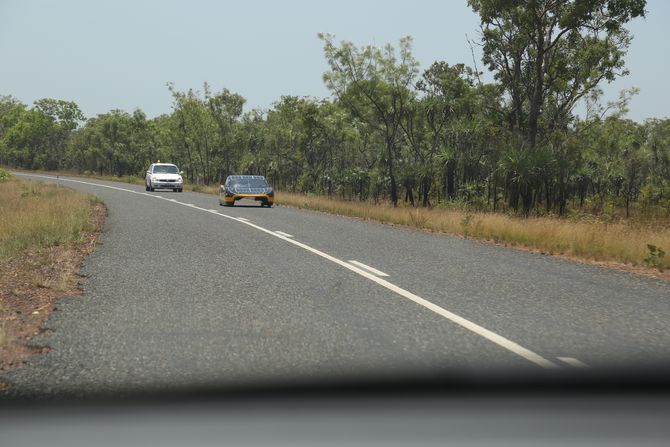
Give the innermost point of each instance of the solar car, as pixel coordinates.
(239, 187)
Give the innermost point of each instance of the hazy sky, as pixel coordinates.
(121, 53)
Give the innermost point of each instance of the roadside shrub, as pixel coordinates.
(656, 257)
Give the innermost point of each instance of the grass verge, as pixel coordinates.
(585, 238)
(45, 233)
(39, 215)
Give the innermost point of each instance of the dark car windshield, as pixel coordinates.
(249, 182)
(165, 169)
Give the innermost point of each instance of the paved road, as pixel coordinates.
(184, 292)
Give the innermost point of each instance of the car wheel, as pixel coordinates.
(146, 187)
(180, 189)
(175, 189)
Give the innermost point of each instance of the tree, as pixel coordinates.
(36, 138)
(203, 129)
(548, 54)
(449, 104)
(225, 108)
(375, 86)
(66, 117)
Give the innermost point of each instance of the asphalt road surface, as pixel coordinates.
(183, 292)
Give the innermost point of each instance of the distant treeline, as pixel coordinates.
(393, 133)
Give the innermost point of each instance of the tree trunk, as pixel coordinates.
(547, 193)
(538, 88)
(514, 197)
(527, 196)
(394, 186)
(409, 196)
(426, 189)
(561, 197)
(451, 190)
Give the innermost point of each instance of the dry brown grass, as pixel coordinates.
(585, 238)
(45, 233)
(37, 215)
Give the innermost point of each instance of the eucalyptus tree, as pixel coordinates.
(251, 140)
(549, 54)
(656, 191)
(449, 106)
(36, 138)
(26, 143)
(225, 108)
(203, 130)
(11, 111)
(285, 139)
(558, 49)
(66, 117)
(376, 86)
(116, 143)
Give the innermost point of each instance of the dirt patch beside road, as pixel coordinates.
(31, 284)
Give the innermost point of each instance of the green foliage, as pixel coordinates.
(549, 55)
(374, 85)
(4, 175)
(656, 258)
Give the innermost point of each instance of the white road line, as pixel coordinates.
(368, 268)
(463, 322)
(467, 324)
(573, 362)
(281, 233)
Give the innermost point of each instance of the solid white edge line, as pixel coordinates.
(367, 267)
(243, 219)
(463, 322)
(281, 233)
(573, 362)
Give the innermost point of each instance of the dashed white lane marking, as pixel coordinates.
(281, 233)
(368, 268)
(573, 362)
(463, 322)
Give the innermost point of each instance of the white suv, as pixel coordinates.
(164, 176)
